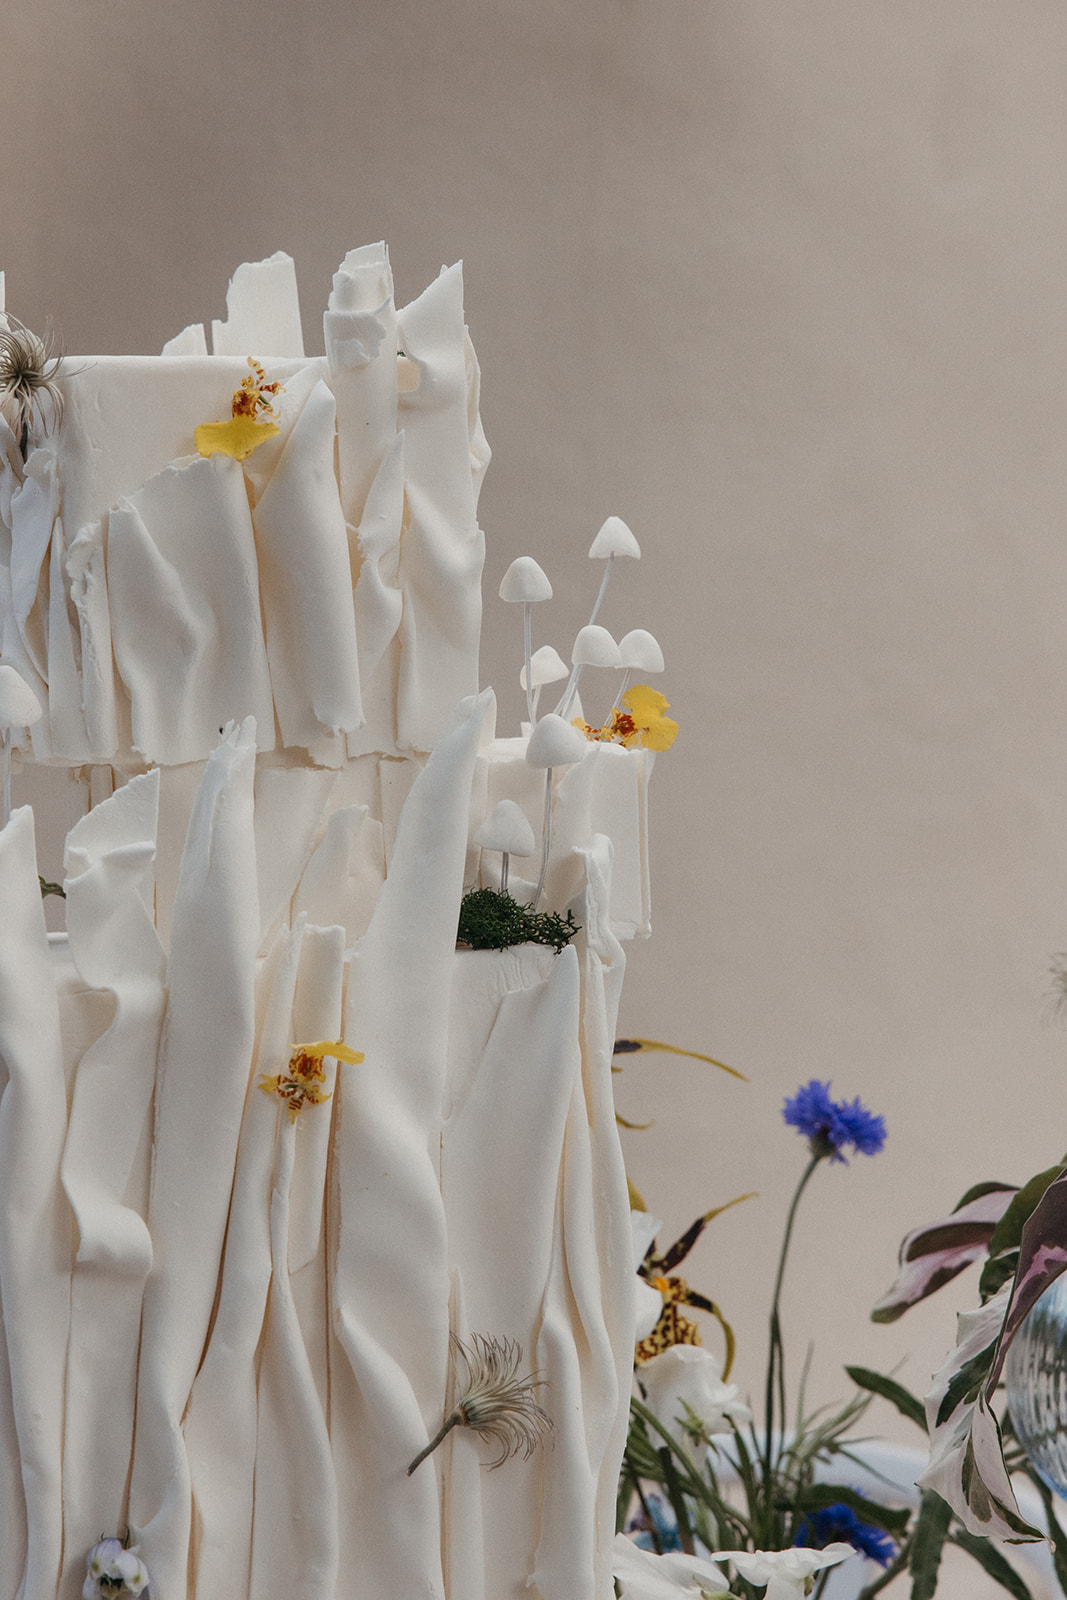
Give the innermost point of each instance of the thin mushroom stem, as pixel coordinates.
(5, 767)
(623, 686)
(547, 840)
(567, 697)
(605, 580)
(531, 704)
(504, 871)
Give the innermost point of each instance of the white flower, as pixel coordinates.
(112, 1570)
(649, 1300)
(785, 1572)
(685, 1390)
(643, 1576)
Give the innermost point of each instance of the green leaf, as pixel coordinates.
(906, 1403)
(1057, 1537)
(931, 1530)
(990, 1560)
(964, 1385)
(1008, 1232)
(976, 1191)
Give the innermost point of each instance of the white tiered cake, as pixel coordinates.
(226, 1329)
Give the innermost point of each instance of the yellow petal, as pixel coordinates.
(647, 704)
(238, 437)
(331, 1047)
(270, 1085)
(660, 735)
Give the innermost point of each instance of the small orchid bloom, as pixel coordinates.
(644, 1576)
(112, 1570)
(786, 1573)
(301, 1085)
(245, 430)
(642, 722)
(684, 1389)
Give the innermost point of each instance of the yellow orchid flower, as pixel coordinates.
(642, 722)
(237, 438)
(655, 731)
(300, 1086)
(244, 432)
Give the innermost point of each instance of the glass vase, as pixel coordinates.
(1035, 1379)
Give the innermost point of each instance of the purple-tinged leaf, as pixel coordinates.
(1042, 1257)
(966, 1460)
(932, 1255)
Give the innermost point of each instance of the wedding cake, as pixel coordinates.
(282, 1169)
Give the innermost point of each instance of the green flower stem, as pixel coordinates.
(776, 1355)
(650, 1523)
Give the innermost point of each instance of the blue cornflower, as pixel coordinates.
(663, 1522)
(831, 1125)
(840, 1522)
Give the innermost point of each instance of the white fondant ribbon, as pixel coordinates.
(306, 584)
(185, 611)
(443, 548)
(201, 1087)
(105, 1170)
(391, 1284)
(35, 1220)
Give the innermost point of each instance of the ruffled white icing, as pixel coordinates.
(262, 311)
(105, 1169)
(200, 1093)
(185, 611)
(391, 1275)
(259, 1310)
(306, 582)
(35, 1219)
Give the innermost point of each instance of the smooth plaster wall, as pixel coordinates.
(781, 282)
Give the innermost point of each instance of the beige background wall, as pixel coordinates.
(782, 283)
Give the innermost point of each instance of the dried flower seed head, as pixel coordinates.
(30, 368)
(492, 1399)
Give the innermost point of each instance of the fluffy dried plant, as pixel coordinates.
(30, 368)
(492, 1399)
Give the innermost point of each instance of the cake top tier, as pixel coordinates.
(313, 560)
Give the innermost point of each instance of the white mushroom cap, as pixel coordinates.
(554, 743)
(546, 666)
(614, 539)
(594, 647)
(639, 651)
(19, 706)
(524, 580)
(506, 828)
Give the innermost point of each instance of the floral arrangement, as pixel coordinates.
(1020, 1236)
(711, 1502)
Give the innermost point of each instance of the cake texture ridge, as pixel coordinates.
(270, 1143)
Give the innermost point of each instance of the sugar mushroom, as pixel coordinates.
(613, 539)
(525, 581)
(546, 666)
(553, 743)
(19, 708)
(593, 647)
(507, 830)
(638, 652)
